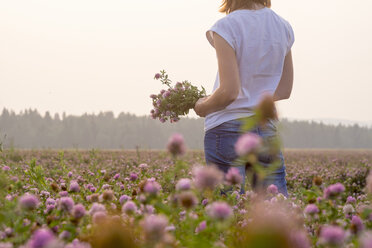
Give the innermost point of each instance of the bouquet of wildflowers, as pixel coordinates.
(176, 101)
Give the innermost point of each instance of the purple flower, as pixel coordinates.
(311, 209)
(154, 227)
(123, 199)
(219, 210)
(365, 240)
(170, 228)
(350, 199)
(44, 193)
(74, 187)
(117, 175)
(176, 145)
(28, 202)
(63, 193)
(129, 207)
(96, 207)
(99, 217)
(41, 238)
(69, 174)
(356, 224)
(9, 197)
(233, 176)
(333, 190)
(183, 184)
(247, 143)
(143, 166)
(133, 176)
(78, 211)
(66, 204)
(6, 168)
(207, 177)
(77, 244)
(272, 189)
(64, 235)
(152, 187)
(333, 235)
(166, 94)
(202, 225)
(8, 231)
(50, 201)
(299, 239)
(205, 202)
(105, 186)
(157, 76)
(49, 208)
(6, 245)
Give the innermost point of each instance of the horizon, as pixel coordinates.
(325, 121)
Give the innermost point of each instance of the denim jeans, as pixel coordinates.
(219, 150)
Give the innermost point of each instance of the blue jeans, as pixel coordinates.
(219, 150)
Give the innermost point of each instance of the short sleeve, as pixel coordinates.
(223, 28)
(291, 38)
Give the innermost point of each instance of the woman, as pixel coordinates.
(253, 47)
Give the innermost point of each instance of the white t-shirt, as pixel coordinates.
(261, 40)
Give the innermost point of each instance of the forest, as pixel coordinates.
(31, 130)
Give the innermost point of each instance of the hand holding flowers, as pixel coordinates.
(176, 101)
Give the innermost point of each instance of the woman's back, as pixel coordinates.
(261, 39)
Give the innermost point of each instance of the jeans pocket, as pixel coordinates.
(225, 146)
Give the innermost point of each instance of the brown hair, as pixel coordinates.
(229, 6)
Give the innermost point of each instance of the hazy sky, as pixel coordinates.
(88, 56)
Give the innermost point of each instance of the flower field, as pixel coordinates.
(153, 199)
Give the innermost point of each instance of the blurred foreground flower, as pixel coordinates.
(129, 207)
(176, 145)
(233, 176)
(41, 238)
(332, 235)
(272, 189)
(207, 177)
(154, 227)
(247, 143)
(112, 232)
(266, 108)
(334, 190)
(66, 204)
(219, 210)
(78, 211)
(183, 184)
(271, 225)
(202, 225)
(28, 202)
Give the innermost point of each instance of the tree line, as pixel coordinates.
(30, 130)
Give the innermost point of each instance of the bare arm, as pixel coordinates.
(286, 82)
(229, 88)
